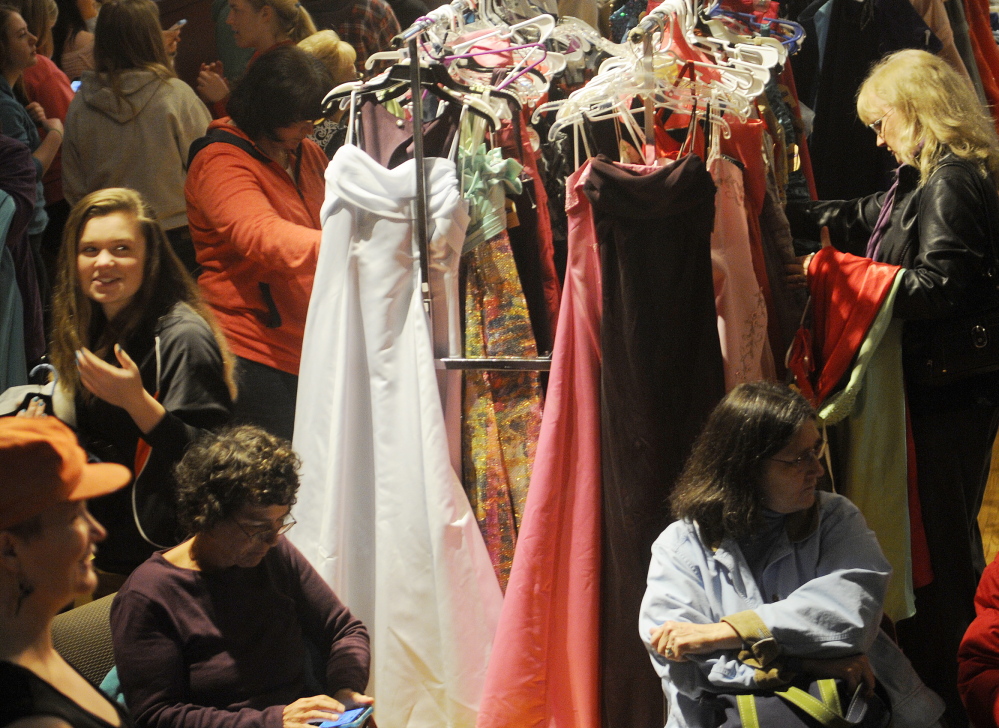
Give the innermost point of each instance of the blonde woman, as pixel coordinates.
(260, 25)
(939, 222)
(338, 56)
(143, 361)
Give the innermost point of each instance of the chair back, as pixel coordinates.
(83, 637)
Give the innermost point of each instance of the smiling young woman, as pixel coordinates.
(142, 360)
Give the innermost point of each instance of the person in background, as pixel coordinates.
(367, 25)
(260, 25)
(17, 179)
(73, 37)
(233, 627)
(978, 656)
(18, 53)
(141, 357)
(47, 86)
(231, 56)
(47, 538)
(762, 578)
(254, 190)
(338, 57)
(940, 223)
(132, 121)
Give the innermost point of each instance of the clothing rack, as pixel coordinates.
(409, 37)
(656, 19)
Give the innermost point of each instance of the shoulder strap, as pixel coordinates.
(828, 711)
(225, 137)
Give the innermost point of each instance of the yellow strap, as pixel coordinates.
(814, 707)
(830, 695)
(747, 711)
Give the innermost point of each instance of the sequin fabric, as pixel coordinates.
(502, 410)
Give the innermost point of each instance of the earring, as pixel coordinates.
(24, 590)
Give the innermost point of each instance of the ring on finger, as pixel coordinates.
(669, 652)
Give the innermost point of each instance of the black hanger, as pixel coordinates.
(433, 77)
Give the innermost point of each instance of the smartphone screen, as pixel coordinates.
(345, 719)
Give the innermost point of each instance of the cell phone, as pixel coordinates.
(354, 718)
(179, 24)
(75, 85)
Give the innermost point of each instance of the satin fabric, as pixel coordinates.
(502, 410)
(739, 300)
(545, 665)
(872, 469)
(381, 513)
(839, 325)
(662, 375)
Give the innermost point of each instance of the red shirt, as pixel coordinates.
(45, 83)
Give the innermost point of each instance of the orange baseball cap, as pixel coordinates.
(41, 465)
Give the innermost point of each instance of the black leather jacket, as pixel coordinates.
(940, 233)
(181, 364)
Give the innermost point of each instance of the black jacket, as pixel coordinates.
(941, 233)
(186, 375)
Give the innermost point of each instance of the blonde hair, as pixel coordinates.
(78, 321)
(936, 112)
(337, 55)
(293, 19)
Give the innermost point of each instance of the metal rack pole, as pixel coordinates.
(421, 178)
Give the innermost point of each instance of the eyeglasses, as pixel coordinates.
(265, 533)
(816, 454)
(877, 124)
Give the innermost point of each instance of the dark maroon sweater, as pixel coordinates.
(227, 649)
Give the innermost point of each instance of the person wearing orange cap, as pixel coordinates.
(47, 539)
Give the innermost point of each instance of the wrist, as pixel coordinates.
(51, 129)
(807, 262)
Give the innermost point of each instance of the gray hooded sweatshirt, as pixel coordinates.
(139, 141)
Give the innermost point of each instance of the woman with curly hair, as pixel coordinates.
(940, 223)
(233, 627)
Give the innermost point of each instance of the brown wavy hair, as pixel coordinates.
(719, 488)
(223, 471)
(78, 322)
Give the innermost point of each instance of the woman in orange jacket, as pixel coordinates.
(254, 189)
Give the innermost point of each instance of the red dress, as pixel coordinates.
(544, 669)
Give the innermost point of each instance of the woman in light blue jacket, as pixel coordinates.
(763, 578)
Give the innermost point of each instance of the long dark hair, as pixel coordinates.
(77, 321)
(719, 488)
(128, 36)
(67, 25)
(7, 11)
